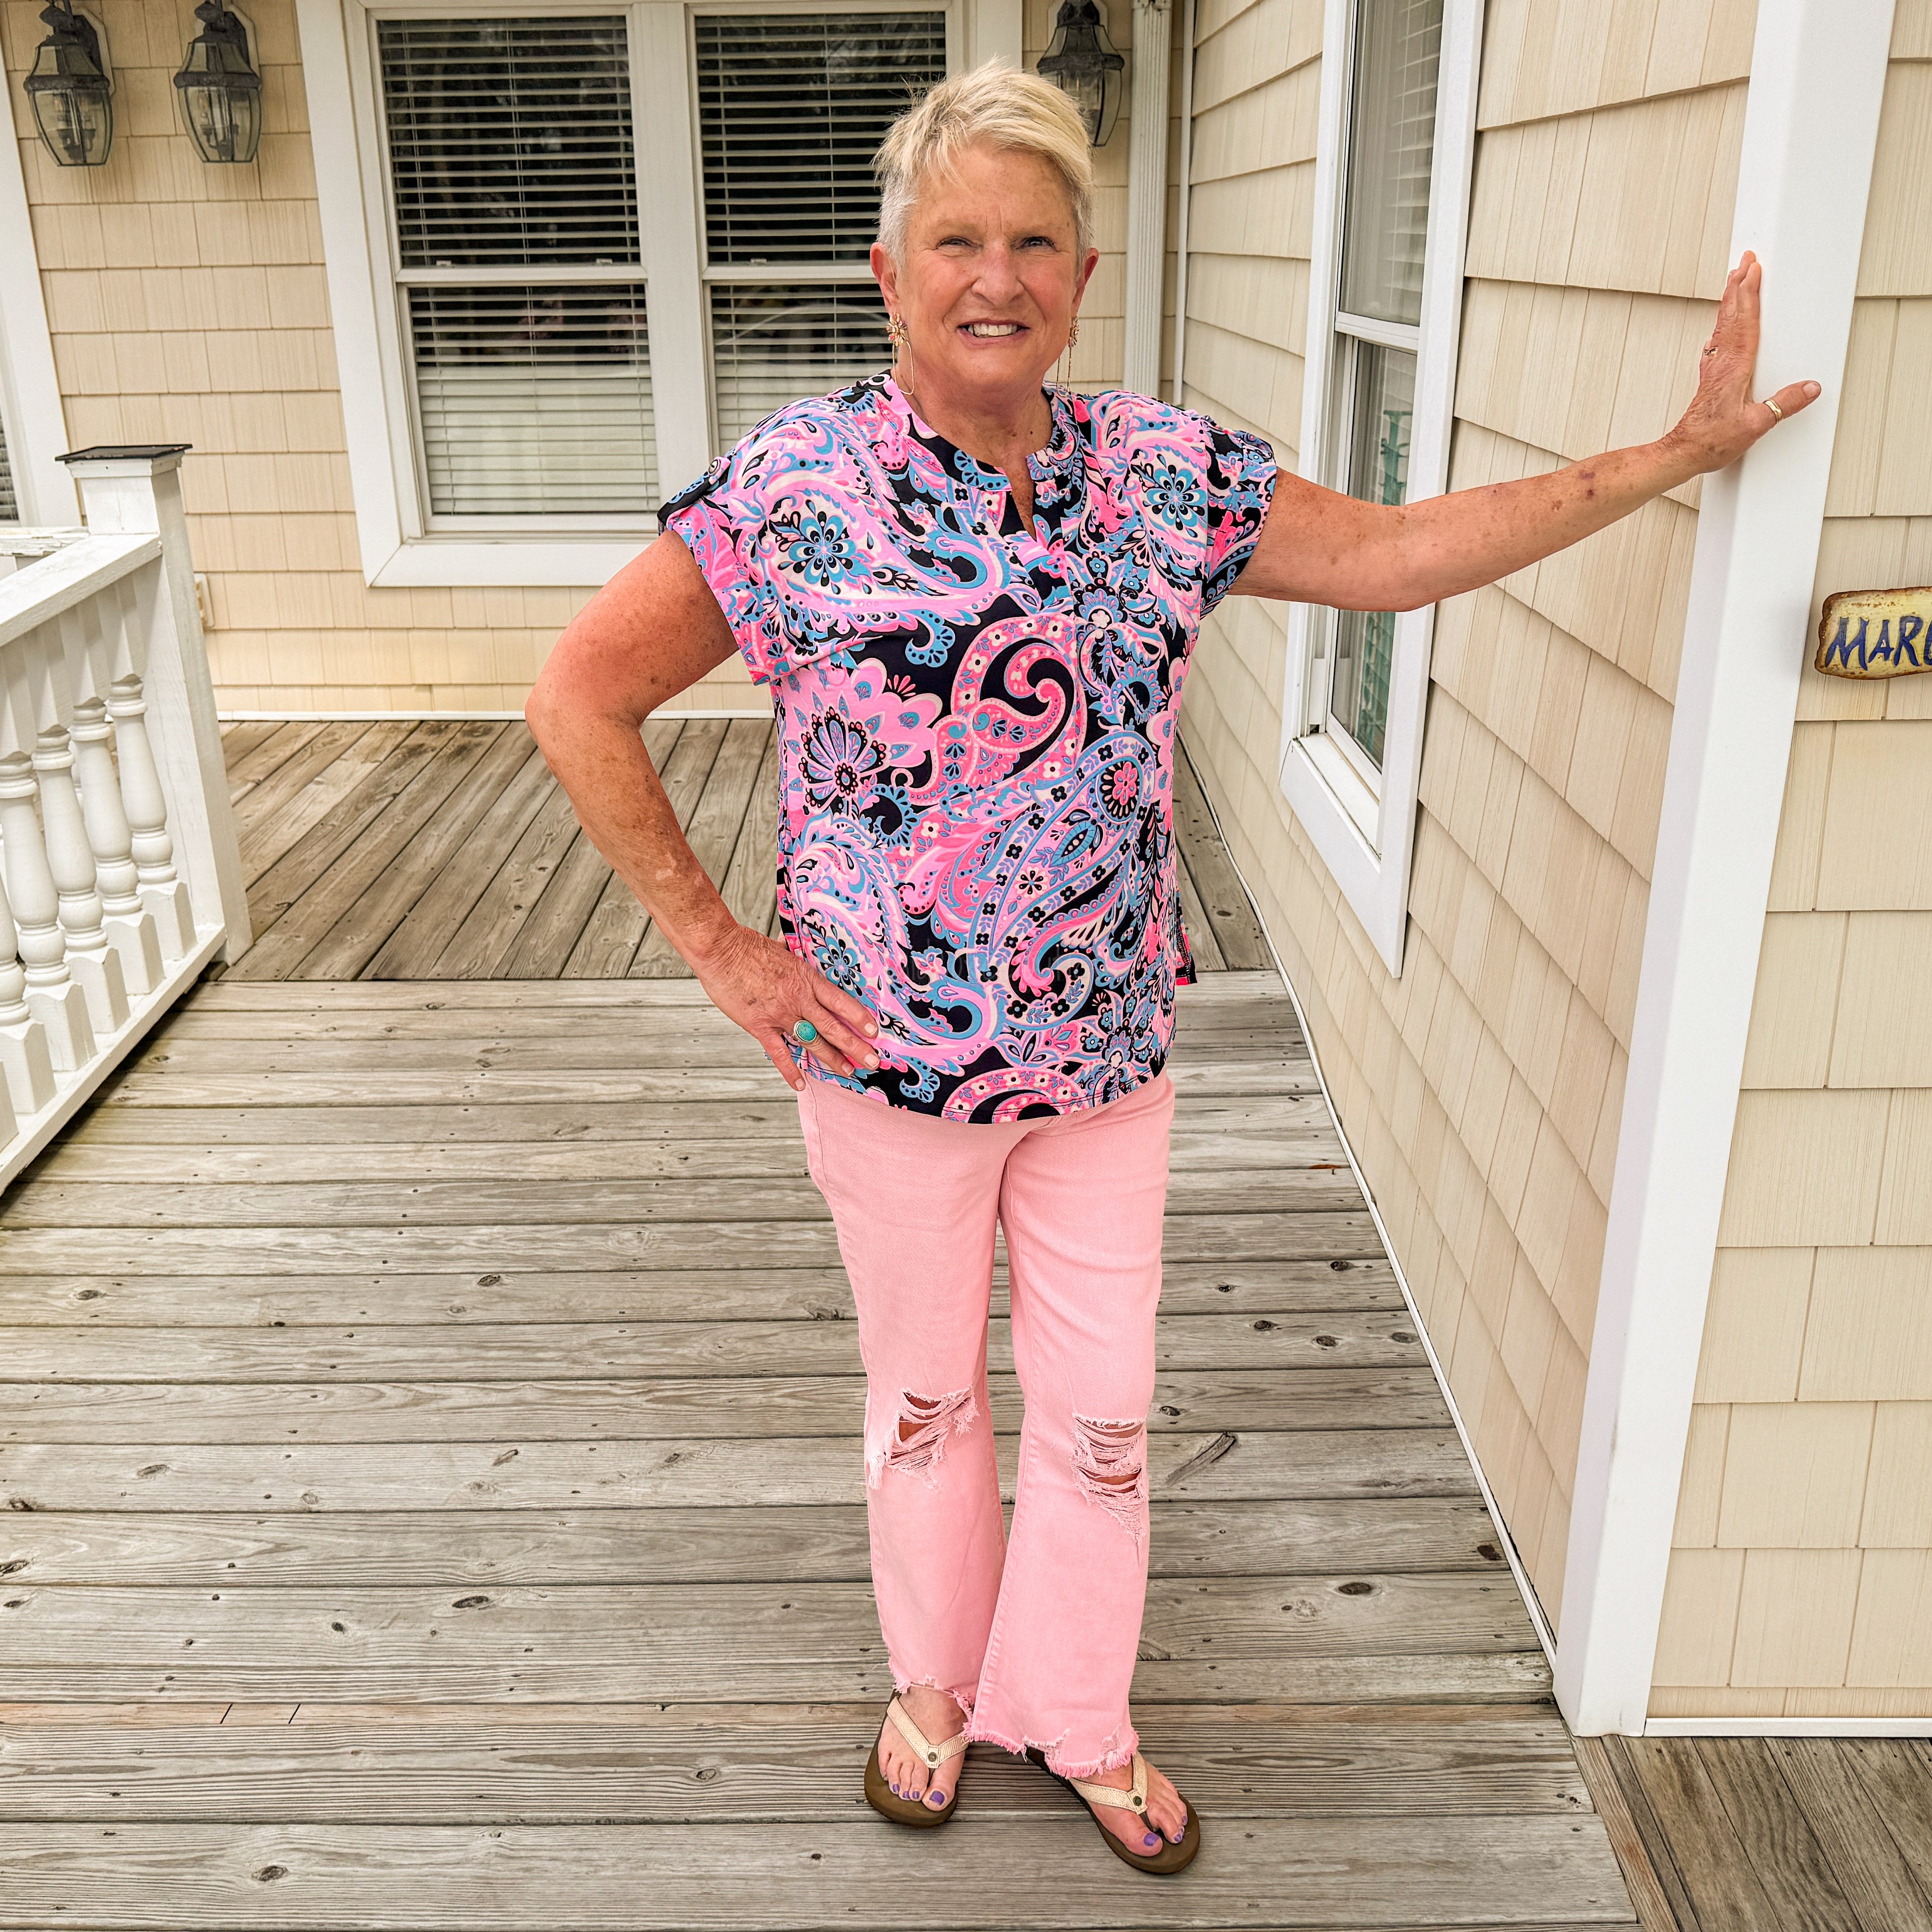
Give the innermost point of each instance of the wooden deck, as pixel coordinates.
(405, 850)
(430, 1445)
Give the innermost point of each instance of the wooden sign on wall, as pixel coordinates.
(1875, 633)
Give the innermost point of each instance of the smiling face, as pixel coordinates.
(992, 278)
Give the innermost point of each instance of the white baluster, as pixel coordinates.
(95, 965)
(164, 896)
(52, 997)
(26, 1066)
(130, 926)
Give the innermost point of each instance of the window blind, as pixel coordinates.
(510, 152)
(510, 140)
(534, 398)
(9, 502)
(1391, 152)
(790, 108)
(771, 344)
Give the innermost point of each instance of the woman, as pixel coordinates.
(974, 598)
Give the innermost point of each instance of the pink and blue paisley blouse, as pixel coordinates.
(977, 723)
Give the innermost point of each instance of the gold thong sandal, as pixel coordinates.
(1171, 1858)
(880, 1795)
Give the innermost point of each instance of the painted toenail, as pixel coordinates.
(1151, 1841)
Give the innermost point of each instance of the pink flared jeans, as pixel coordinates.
(1036, 1637)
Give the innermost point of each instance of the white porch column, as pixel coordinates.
(1817, 79)
(1146, 195)
(138, 488)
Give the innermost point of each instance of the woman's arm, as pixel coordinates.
(1318, 546)
(653, 630)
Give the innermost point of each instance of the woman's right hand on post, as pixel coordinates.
(767, 988)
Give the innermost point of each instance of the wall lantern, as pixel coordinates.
(70, 90)
(1081, 61)
(220, 93)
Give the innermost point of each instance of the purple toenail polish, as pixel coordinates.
(1152, 1841)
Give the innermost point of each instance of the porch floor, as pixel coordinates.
(431, 1450)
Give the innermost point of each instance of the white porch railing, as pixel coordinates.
(121, 876)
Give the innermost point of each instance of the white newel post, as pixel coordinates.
(130, 927)
(127, 491)
(52, 997)
(94, 964)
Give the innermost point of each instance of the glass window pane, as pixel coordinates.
(1391, 145)
(535, 400)
(1381, 406)
(771, 345)
(791, 107)
(510, 140)
(10, 506)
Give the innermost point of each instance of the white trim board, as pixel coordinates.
(1818, 71)
(1372, 868)
(30, 396)
(1788, 1727)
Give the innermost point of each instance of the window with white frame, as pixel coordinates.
(1389, 149)
(523, 305)
(1394, 148)
(513, 194)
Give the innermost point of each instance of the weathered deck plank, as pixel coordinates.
(826, 1542)
(1271, 1873)
(720, 1762)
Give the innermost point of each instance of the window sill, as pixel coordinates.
(528, 563)
(1345, 822)
(1351, 790)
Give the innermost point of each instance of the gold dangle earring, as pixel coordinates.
(1066, 374)
(900, 337)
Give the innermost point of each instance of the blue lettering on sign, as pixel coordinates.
(1840, 648)
(1882, 651)
(1909, 625)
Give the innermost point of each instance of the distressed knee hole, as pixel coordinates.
(1110, 1460)
(918, 1444)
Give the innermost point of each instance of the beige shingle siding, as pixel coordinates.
(1484, 1089)
(1806, 1482)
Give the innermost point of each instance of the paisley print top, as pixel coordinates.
(977, 723)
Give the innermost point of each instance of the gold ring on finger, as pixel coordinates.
(1777, 414)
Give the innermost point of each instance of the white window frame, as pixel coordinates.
(398, 546)
(30, 396)
(1364, 832)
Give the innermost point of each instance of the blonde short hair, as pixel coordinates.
(996, 105)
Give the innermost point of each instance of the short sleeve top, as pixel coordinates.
(976, 721)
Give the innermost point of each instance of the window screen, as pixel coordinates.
(510, 153)
(772, 344)
(1391, 148)
(9, 502)
(791, 107)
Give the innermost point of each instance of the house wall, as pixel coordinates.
(187, 304)
(1801, 1582)
(1483, 1089)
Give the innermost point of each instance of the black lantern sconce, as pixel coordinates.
(70, 90)
(1081, 62)
(219, 92)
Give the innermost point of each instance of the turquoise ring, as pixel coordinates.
(804, 1032)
